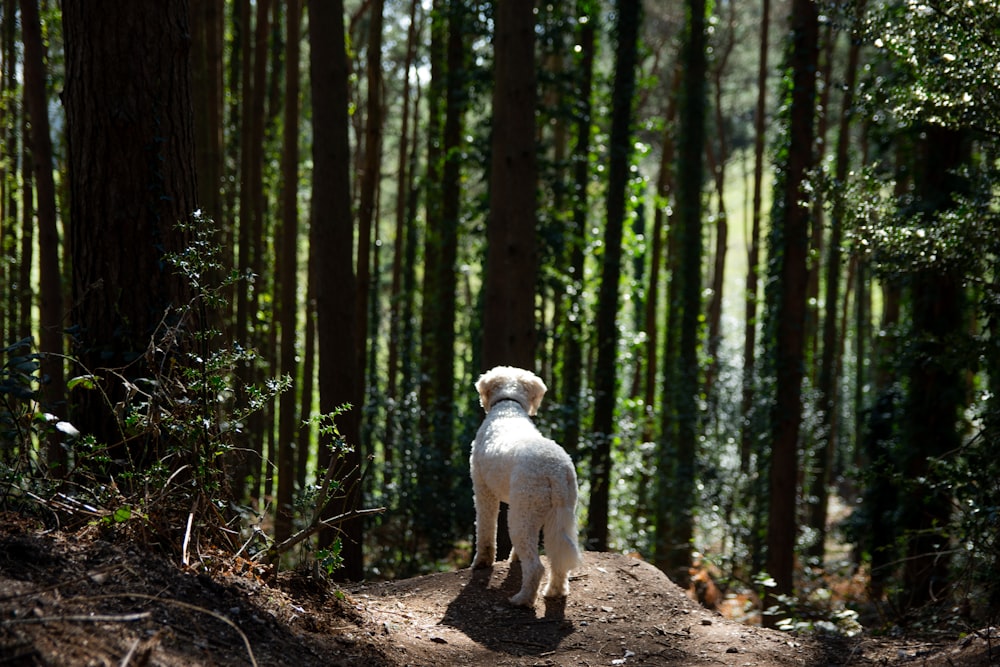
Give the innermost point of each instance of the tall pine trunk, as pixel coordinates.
(605, 372)
(676, 474)
(753, 248)
(332, 236)
(287, 278)
(509, 335)
(790, 250)
(828, 383)
(370, 173)
(397, 297)
(936, 388)
(573, 365)
(50, 277)
(511, 261)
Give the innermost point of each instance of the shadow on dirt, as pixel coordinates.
(484, 615)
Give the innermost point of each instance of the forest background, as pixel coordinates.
(750, 247)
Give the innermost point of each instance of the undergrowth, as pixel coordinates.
(190, 401)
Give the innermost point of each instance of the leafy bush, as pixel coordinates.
(184, 405)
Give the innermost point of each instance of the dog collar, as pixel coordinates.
(507, 398)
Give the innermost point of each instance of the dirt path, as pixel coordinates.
(620, 611)
(94, 598)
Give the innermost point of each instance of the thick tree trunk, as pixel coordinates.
(509, 335)
(132, 180)
(333, 239)
(511, 261)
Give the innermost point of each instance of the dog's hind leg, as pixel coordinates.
(561, 548)
(487, 509)
(524, 529)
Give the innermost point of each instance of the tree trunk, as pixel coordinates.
(437, 361)
(828, 376)
(936, 387)
(674, 541)
(717, 166)
(333, 239)
(288, 303)
(24, 296)
(510, 284)
(370, 172)
(308, 374)
(605, 373)
(206, 80)
(753, 249)
(9, 118)
(50, 276)
(791, 249)
(397, 297)
(664, 190)
(254, 58)
(132, 179)
(577, 232)
(511, 261)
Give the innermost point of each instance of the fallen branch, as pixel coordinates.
(315, 526)
(317, 523)
(81, 618)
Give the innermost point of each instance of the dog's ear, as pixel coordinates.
(485, 385)
(536, 390)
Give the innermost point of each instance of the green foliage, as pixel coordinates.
(18, 381)
(944, 57)
(184, 404)
(331, 559)
(936, 66)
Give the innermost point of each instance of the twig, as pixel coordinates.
(131, 652)
(187, 537)
(314, 527)
(341, 518)
(83, 618)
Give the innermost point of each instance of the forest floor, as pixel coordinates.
(90, 598)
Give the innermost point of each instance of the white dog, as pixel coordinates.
(512, 462)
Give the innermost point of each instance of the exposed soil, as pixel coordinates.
(82, 599)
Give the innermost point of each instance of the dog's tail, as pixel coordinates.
(560, 530)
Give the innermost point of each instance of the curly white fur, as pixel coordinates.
(512, 462)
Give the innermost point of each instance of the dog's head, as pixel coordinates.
(514, 383)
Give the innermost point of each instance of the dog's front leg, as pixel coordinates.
(487, 510)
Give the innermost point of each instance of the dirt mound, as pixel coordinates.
(620, 611)
(92, 598)
(82, 600)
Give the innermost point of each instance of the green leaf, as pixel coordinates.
(85, 381)
(122, 514)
